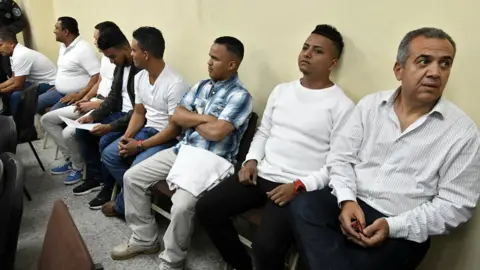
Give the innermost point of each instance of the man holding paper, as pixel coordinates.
(214, 115)
(64, 138)
(158, 90)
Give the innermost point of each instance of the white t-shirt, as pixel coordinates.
(35, 66)
(106, 73)
(126, 103)
(76, 63)
(294, 137)
(161, 98)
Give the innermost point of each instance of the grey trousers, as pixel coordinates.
(137, 181)
(64, 138)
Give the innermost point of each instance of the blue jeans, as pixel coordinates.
(91, 147)
(50, 99)
(117, 166)
(15, 97)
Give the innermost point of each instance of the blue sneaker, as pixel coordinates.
(62, 169)
(73, 177)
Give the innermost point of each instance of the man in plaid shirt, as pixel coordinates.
(213, 116)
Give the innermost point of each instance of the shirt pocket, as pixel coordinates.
(216, 109)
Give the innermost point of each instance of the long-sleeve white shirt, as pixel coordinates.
(426, 179)
(293, 139)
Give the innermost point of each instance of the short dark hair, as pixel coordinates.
(6, 35)
(111, 37)
(150, 39)
(104, 25)
(233, 45)
(70, 24)
(331, 33)
(428, 32)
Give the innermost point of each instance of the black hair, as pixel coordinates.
(104, 25)
(233, 45)
(6, 35)
(70, 24)
(111, 37)
(150, 39)
(331, 33)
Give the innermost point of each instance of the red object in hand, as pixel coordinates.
(356, 226)
(298, 186)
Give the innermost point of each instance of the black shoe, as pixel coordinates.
(86, 187)
(102, 198)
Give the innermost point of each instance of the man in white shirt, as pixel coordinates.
(158, 90)
(289, 153)
(65, 137)
(28, 66)
(78, 68)
(404, 167)
(112, 116)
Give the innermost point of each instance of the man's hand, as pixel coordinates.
(351, 211)
(86, 119)
(282, 194)
(85, 107)
(128, 147)
(100, 130)
(376, 234)
(70, 98)
(84, 99)
(248, 174)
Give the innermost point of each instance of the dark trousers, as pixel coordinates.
(91, 147)
(314, 218)
(230, 198)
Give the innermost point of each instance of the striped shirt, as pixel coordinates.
(227, 100)
(426, 179)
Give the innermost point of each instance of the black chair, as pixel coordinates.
(1, 178)
(8, 141)
(11, 209)
(25, 119)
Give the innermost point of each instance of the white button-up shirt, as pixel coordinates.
(426, 179)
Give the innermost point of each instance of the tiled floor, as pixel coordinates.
(100, 234)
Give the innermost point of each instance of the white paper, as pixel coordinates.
(75, 124)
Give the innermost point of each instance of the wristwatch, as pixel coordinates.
(140, 145)
(298, 187)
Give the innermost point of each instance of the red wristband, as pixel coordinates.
(299, 186)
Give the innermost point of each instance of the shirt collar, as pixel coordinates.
(228, 81)
(389, 100)
(74, 42)
(17, 47)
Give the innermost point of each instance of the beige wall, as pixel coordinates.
(273, 32)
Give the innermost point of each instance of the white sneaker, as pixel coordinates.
(125, 252)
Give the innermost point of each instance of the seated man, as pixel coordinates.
(78, 68)
(65, 137)
(403, 168)
(300, 117)
(214, 114)
(158, 90)
(28, 66)
(113, 114)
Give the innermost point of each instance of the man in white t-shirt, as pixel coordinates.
(158, 90)
(78, 68)
(28, 66)
(112, 117)
(65, 137)
(288, 151)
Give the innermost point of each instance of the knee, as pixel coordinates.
(204, 208)
(45, 120)
(68, 133)
(16, 96)
(298, 207)
(181, 207)
(128, 179)
(110, 154)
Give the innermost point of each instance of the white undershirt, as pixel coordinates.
(294, 137)
(126, 103)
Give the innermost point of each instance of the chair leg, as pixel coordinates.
(114, 192)
(45, 138)
(56, 154)
(36, 155)
(27, 194)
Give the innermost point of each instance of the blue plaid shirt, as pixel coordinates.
(227, 100)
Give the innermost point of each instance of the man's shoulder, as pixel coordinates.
(458, 117)
(375, 98)
(172, 77)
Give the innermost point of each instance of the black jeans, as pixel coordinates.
(322, 245)
(230, 198)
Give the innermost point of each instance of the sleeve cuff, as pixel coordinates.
(396, 227)
(344, 194)
(250, 157)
